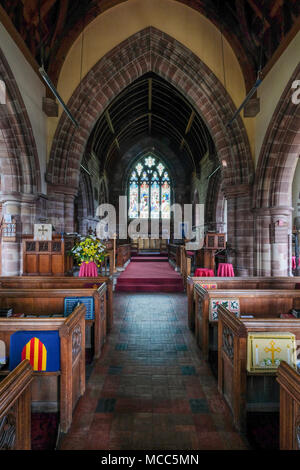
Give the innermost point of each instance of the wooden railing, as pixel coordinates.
(289, 381)
(15, 408)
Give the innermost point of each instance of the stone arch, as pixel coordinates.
(150, 50)
(272, 189)
(19, 168)
(19, 163)
(278, 156)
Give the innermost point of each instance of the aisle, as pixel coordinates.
(149, 274)
(150, 389)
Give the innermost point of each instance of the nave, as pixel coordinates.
(151, 388)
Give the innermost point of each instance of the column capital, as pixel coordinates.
(62, 189)
(237, 190)
(16, 197)
(273, 211)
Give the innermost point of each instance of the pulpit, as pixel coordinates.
(47, 257)
(206, 256)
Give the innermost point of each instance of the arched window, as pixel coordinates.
(149, 190)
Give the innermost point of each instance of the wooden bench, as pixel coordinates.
(51, 301)
(64, 282)
(244, 390)
(260, 283)
(62, 389)
(269, 303)
(15, 408)
(123, 254)
(289, 382)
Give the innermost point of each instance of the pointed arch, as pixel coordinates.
(150, 50)
(19, 163)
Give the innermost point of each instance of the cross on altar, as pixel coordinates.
(272, 350)
(43, 232)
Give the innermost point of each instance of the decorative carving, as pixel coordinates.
(43, 246)
(76, 342)
(8, 432)
(102, 310)
(199, 306)
(297, 432)
(228, 342)
(30, 246)
(56, 246)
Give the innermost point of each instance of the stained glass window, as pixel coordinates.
(149, 190)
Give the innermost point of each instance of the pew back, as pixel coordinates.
(225, 283)
(70, 381)
(232, 357)
(260, 303)
(41, 301)
(40, 282)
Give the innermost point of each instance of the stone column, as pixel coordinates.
(273, 239)
(61, 207)
(11, 251)
(240, 228)
(21, 207)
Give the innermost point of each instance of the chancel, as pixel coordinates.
(150, 225)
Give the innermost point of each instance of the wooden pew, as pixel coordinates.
(15, 408)
(123, 254)
(62, 389)
(267, 303)
(64, 282)
(174, 254)
(289, 381)
(51, 301)
(243, 390)
(235, 283)
(185, 265)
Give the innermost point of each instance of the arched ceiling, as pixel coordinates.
(241, 22)
(150, 107)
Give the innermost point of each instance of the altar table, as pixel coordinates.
(88, 270)
(204, 272)
(225, 270)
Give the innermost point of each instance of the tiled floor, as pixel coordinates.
(151, 389)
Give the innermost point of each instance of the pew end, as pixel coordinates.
(15, 408)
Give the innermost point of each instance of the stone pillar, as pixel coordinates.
(11, 251)
(69, 212)
(240, 228)
(22, 207)
(273, 241)
(61, 208)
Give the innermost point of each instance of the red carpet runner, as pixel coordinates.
(149, 274)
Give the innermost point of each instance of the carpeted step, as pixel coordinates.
(149, 276)
(146, 280)
(142, 259)
(149, 288)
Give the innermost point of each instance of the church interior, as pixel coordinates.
(159, 333)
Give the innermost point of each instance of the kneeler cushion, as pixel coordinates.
(41, 348)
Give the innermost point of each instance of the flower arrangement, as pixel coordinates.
(88, 249)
